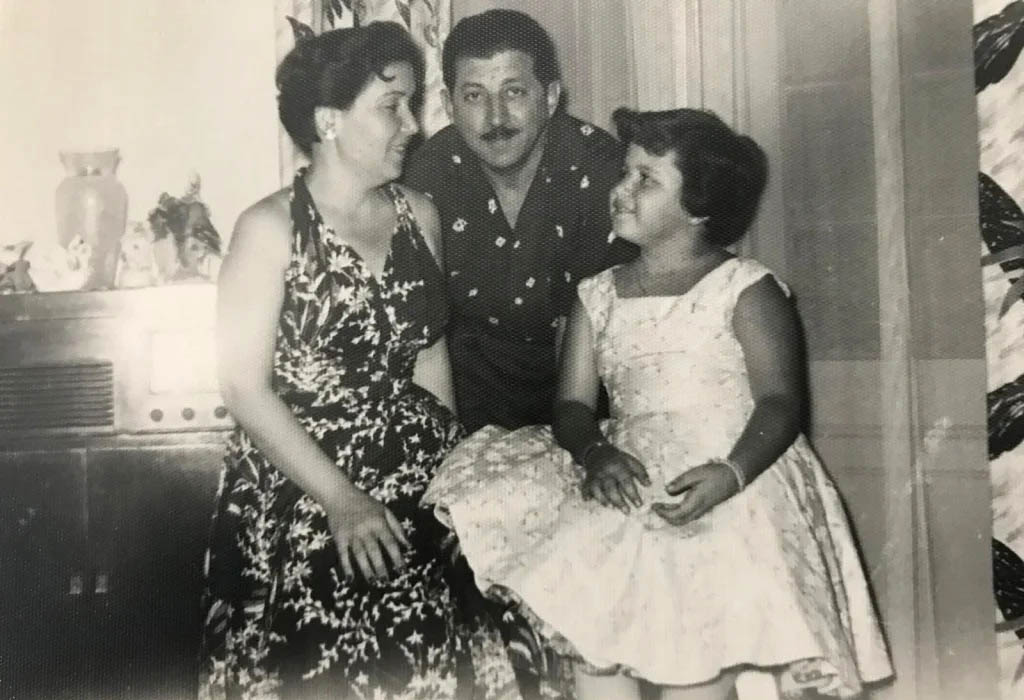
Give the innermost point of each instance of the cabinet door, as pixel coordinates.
(149, 511)
(43, 574)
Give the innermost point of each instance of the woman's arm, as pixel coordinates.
(433, 369)
(433, 372)
(768, 330)
(611, 473)
(250, 293)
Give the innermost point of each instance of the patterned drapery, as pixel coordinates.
(427, 20)
(999, 85)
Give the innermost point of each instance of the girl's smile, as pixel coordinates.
(646, 205)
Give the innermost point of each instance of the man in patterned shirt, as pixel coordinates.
(522, 191)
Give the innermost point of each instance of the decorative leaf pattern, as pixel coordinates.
(998, 41)
(1008, 567)
(1002, 229)
(1006, 419)
(404, 12)
(1002, 221)
(333, 12)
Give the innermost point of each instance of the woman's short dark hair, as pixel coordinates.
(332, 69)
(494, 31)
(724, 173)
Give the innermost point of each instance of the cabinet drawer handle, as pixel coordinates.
(75, 585)
(102, 583)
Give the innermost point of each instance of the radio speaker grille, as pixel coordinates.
(48, 397)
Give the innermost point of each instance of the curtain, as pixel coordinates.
(999, 85)
(697, 53)
(428, 21)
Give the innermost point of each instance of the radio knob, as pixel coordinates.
(156, 415)
(188, 413)
(220, 412)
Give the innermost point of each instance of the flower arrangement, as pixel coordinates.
(186, 220)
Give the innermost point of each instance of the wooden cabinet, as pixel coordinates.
(149, 518)
(43, 551)
(101, 569)
(111, 441)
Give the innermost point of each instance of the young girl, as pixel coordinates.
(694, 534)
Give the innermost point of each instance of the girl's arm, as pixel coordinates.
(574, 426)
(250, 293)
(766, 325)
(611, 473)
(433, 369)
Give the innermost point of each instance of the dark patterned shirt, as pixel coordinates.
(508, 286)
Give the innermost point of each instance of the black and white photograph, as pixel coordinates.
(512, 350)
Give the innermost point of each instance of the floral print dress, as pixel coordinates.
(280, 618)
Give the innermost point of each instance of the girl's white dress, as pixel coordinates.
(769, 578)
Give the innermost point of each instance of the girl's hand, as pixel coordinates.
(610, 478)
(366, 530)
(705, 487)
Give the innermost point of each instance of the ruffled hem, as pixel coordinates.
(794, 673)
(793, 676)
(779, 555)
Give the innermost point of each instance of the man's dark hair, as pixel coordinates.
(494, 31)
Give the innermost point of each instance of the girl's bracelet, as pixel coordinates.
(741, 479)
(589, 449)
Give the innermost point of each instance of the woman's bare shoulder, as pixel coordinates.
(268, 214)
(263, 232)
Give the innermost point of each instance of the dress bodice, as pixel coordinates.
(347, 338)
(676, 355)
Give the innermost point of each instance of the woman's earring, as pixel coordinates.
(330, 135)
(697, 220)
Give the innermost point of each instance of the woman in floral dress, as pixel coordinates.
(325, 577)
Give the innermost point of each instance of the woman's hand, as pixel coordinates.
(367, 533)
(705, 487)
(611, 477)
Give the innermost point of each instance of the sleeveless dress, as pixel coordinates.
(280, 619)
(769, 578)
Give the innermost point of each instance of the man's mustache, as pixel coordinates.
(499, 132)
